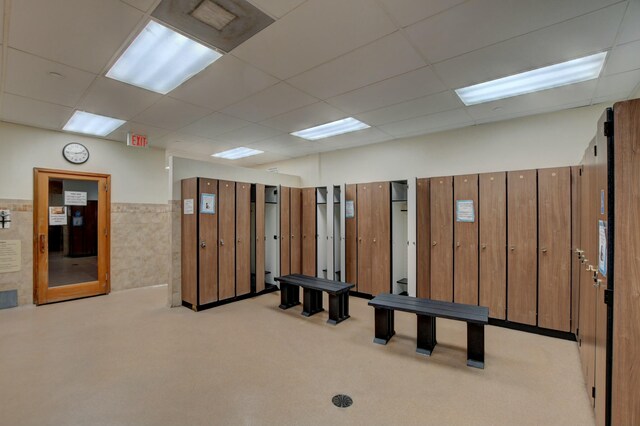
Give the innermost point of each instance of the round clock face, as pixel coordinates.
(75, 153)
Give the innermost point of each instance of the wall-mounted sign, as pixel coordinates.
(465, 211)
(5, 219)
(208, 203)
(137, 140)
(602, 247)
(57, 216)
(188, 206)
(349, 209)
(10, 255)
(75, 198)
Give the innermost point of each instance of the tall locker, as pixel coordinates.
(465, 278)
(575, 247)
(522, 255)
(309, 244)
(208, 231)
(442, 238)
(423, 239)
(381, 238)
(554, 253)
(364, 237)
(190, 244)
(296, 230)
(285, 230)
(260, 237)
(351, 235)
(493, 243)
(243, 238)
(226, 239)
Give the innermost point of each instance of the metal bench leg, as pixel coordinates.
(475, 345)
(384, 326)
(426, 334)
(312, 302)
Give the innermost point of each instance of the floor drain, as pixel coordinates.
(342, 401)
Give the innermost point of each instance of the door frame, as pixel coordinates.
(42, 294)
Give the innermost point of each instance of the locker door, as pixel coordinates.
(351, 236)
(381, 241)
(190, 243)
(522, 258)
(364, 238)
(309, 240)
(243, 238)
(208, 229)
(296, 231)
(260, 238)
(423, 239)
(442, 238)
(575, 246)
(493, 243)
(226, 238)
(285, 226)
(554, 253)
(465, 270)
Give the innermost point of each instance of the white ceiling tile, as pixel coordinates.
(624, 82)
(305, 117)
(143, 5)
(214, 125)
(28, 75)
(247, 135)
(171, 114)
(407, 12)
(225, 82)
(405, 87)
(382, 59)
(154, 134)
(611, 98)
(273, 101)
(431, 104)
(255, 160)
(428, 123)
(286, 145)
(115, 99)
(82, 33)
(276, 8)
(625, 57)
(17, 109)
(517, 114)
(352, 140)
(479, 23)
(630, 30)
(313, 33)
(572, 39)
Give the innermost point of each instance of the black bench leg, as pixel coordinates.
(289, 296)
(475, 345)
(312, 302)
(338, 308)
(426, 334)
(384, 326)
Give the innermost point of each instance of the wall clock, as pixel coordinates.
(75, 153)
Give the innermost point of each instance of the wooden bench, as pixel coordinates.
(313, 288)
(427, 311)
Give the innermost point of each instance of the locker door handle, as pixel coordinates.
(544, 250)
(596, 283)
(512, 248)
(293, 236)
(434, 243)
(374, 240)
(457, 243)
(221, 242)
(484, 246)
(203, 244)
(43, 245)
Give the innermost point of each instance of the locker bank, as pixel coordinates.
(305, 212)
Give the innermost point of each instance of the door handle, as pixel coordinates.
(457, 243)
(434, 243)
(544, 250)
(203, 244)
(596, 283)
(512, 248)
(293, 236)
(484, 247)
(43, 240)
(221, 242)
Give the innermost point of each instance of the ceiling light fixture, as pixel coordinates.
(562, 74)
(236, 153)
(160, 59)
(334, 128)
(92, 124)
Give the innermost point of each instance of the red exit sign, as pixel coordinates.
(137, 140)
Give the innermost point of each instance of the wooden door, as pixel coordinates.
(465, 261)
(442, 238)
(522, 255)
(285, 230)
(423, 239)
(226, 240)
(243, 238)
(575, 247)
(296, 231)
(54, 280)
(351, 236)
(260, 237)
(364, 237)
(381, 241)
(493, 243)
(190, 243)
(554, 252)
(309, 240)
(208, 236)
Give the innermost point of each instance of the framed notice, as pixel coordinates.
(10, 255)
(208, 203)
(602, 247)
(465, 211)
(349, 209)
(187, 208)
(75, 198)
(57, 216)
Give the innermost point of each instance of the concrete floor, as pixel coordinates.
(126, 359)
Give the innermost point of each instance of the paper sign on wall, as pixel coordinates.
(602, 247)
(208, 203)
(187, 208)
(57, 216)
(5, 219)
(465, 211)
(349, 209)
(10, 256)
(75, 198)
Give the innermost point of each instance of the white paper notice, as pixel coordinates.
(188, 206)
(349, 210)
(10, 256)
(75, 198)
(57, 216)
(602, 247)
(465, 211)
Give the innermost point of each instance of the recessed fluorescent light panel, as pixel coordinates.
(160, 59)
(570, 72)
(235, 153)
(334, 128)
(92, 124)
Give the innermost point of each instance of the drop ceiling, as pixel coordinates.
(390, 63)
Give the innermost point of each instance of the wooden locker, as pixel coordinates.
(189, 243)
(260, 237)
(208, 257)
(285, 230)
(442, 238)
(364, 237)
(243, 238)
(554, 252)
(381, 241)
(522, 254)
(575, 247)
(465, 260)
(226, 239)
(423, 237)
(296, 231)
(351, 238)
(309, 240)
(493, 243)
